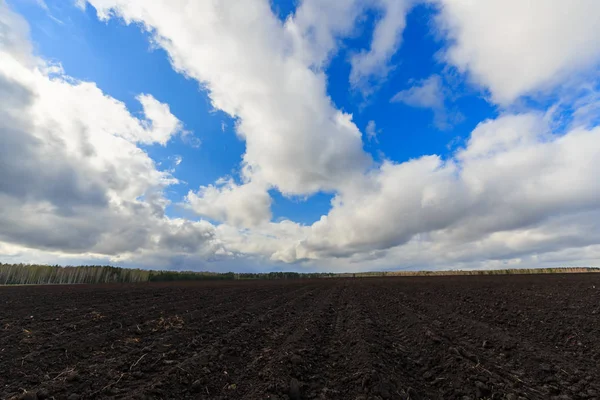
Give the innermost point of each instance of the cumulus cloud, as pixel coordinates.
(296, 140)
(160, 122)
(370, 66)
(73, 178)
(14, 31)
(317, 27)
(515, 48)
(245, 205)
(480, 196)
(263, 240)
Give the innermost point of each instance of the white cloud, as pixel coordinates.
(73, 181)
(190, 139)
(42, 4)
(372, 130)
(245, 205)
(81, 4)
(513, 179)
(504, 134)
(296, 140)
(517, 48)
(430, 93)
(370, 66)
(317, 27)
(425, 94)
(263, 240)
(161, 123)
(14, 31)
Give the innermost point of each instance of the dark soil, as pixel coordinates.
(490, 337)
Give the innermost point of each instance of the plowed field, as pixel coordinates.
(489, 337)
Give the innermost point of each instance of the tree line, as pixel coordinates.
(515, 271)
(35, 274)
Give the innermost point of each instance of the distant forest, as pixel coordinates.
(33, 274)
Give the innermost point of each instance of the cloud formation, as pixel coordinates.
(479, 194)
(370, 66)
(245, 205)
(516, 48)
(296, 140)
(73, 178)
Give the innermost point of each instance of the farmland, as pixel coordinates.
(453, 337)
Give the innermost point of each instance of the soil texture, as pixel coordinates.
(470, 337)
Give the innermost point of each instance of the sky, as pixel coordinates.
(300, 135)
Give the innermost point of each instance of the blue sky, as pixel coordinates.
(431, 97)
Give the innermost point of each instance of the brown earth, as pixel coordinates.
(490, 337)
